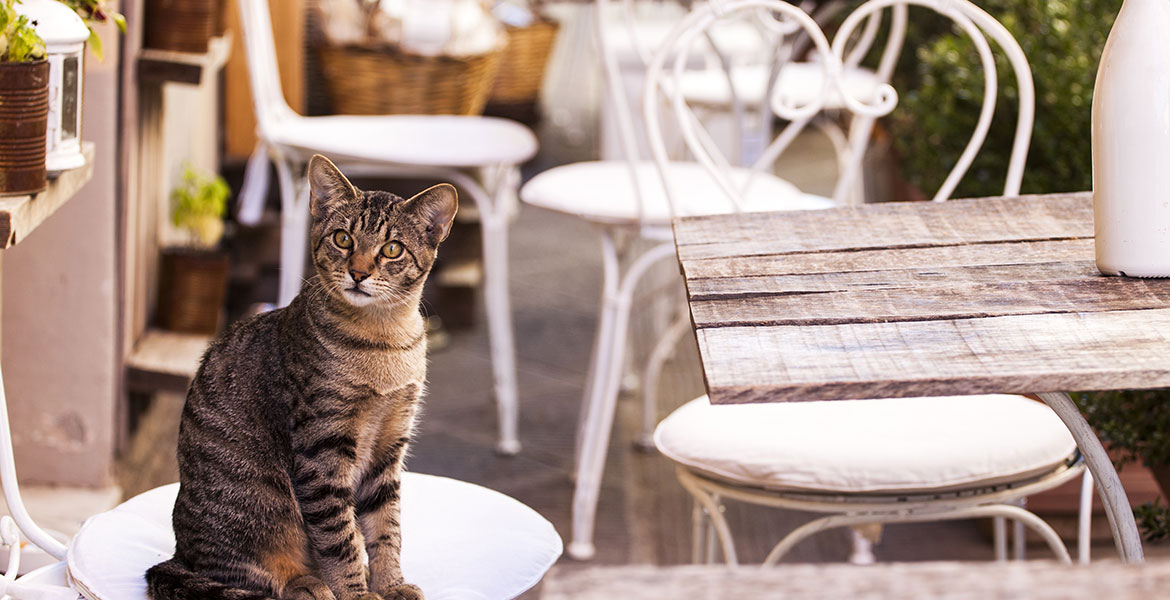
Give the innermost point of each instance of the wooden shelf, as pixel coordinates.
(20, 215)
(166, 66)
(165, 360)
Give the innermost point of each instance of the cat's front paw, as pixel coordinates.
(403, 591)
(370, 596)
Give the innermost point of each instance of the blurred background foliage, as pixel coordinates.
(940, 83)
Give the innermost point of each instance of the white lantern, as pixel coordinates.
(65, 34)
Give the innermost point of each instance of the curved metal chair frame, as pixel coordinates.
(860, 509)
(662, 78)
(494, 205)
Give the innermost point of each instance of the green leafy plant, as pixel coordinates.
(1136, 424)
(1154, 519)
(199, 203)
(19, 42)
(941, 86)
(95, 11)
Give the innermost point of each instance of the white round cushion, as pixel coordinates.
(603, 191)
(856, 446)
(460, 541)
(429, 140)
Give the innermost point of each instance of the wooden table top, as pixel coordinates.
(990, 295)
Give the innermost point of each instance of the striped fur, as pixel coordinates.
(293, 437)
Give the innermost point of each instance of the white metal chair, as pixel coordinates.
(862, 462)
(743, 90)
(450, 148)
(624, 197)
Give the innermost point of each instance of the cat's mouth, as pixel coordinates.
(357, 296)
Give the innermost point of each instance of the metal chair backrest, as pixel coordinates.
(263, 70)
(833, 57)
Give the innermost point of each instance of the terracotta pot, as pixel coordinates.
(24, 120)
(1162, 476)
(192, 288)
(180, 25)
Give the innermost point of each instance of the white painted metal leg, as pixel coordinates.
(714, 509)
(1019, 539)
(1113, 496)
(862, 553)
(493, 220)
(602, 400)
(663, 350)
(12, 488)
(698, 532)
(587, 484)
(294, 230)
(1085, 519)
(499, 313)
(999, 538)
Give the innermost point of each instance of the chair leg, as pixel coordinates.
(663, 350)
(595, 425)
(493, 213)
(717, 526)
(294, 230)
(1019, 535)
(698, 531)
(1085, 519)
(862, 553)
(499, 313)
(602, 401)
(999, 538)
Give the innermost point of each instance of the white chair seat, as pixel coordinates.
(603, 191)
(459, 541)
(425, 140)
(889, 445)
(800, 82)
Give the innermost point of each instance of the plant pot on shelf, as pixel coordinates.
(24, 120)
(180, 25)
(192, 288)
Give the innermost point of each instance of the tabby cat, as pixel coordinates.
(293, 436)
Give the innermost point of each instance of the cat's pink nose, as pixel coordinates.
(358, 276)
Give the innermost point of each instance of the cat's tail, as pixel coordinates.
(171, 580)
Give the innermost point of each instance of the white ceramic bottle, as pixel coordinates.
(1131, 143)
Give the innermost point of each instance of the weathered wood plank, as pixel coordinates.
(941, 580)
(723, 288)
(1012, 354)
(1018, 253)
(877, 302)
(20, 215)
(897, 225)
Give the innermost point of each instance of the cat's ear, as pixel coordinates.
(436, 207)
(328, 188)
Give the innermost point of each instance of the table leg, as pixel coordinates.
(1113, 497)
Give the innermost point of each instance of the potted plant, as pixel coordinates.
(24, 103)
(1136, 426)
(194, 274)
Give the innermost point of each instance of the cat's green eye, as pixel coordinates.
(393, 250)
(342, 239)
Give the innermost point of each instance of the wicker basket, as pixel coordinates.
(385, 80)
(522, 64)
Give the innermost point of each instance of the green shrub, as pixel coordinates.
(941, 85)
